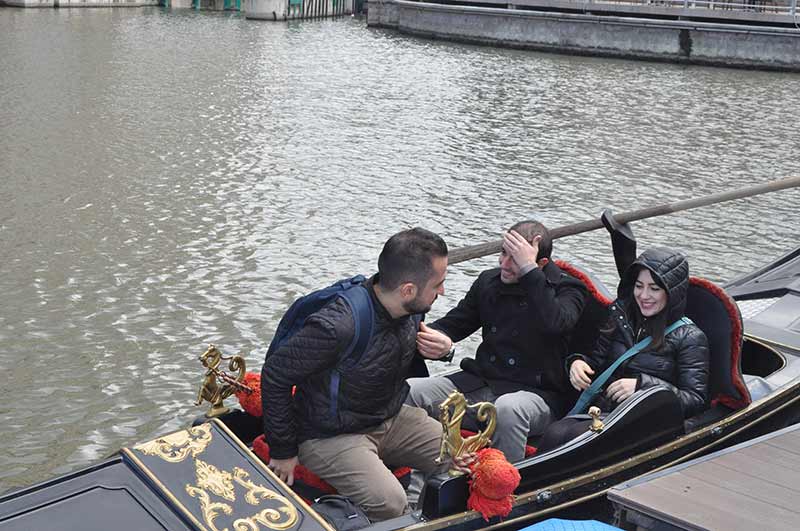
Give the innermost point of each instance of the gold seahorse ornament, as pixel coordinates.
(218, 385)
(451, 413)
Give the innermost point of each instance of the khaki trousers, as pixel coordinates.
(355, 464)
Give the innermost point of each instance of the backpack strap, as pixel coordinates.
(362, 310)
(587, 396)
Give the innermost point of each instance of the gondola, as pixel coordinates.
(207, 476)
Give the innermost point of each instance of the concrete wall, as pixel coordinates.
(79, 3)
(638, 38)
(281, 10)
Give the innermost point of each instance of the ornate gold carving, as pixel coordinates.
(217, 481)
(279, 518)
(452, 442)
(218, 385)
(258, 493)
(210, 509)
(267, 517)
(221, 483)
(175, 447)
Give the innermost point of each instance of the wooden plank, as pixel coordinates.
(763, 455)
(788, 441)
(697, 504)
(747, 483)
(754, 486)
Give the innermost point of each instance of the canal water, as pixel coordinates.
(173, 179)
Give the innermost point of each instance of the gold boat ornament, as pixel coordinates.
(451, 413)
(217, 385)
(597, 424)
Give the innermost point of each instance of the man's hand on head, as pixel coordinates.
(432, 344)
(521, 251)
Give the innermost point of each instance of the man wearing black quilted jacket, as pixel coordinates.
(350, 428)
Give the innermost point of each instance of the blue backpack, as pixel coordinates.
(352, 290)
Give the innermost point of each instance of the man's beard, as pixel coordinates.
(416, 306)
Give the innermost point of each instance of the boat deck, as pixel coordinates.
(755, 485)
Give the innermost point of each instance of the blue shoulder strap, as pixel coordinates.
(587, 396)
(363, 313)
(357, 297)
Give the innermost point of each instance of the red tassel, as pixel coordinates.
(492, 484)
(251, 402)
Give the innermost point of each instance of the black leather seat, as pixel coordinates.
(595, 313)
(717, 314)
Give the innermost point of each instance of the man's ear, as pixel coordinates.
(408, 291)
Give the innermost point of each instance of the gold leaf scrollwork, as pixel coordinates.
(221, 483)
(279, 518)
(211, 510)
(217, 481)
(177, 446)
(268, 517)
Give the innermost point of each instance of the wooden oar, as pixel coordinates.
(469, 252)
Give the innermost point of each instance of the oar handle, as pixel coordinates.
(469, 252)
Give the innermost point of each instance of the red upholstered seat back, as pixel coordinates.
(717, 314)
(595, 312)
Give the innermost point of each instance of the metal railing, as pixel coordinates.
(777, 7)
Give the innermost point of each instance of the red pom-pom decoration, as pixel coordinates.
(492, 484)
(251, 402)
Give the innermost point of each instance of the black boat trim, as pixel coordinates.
(770, 345)
(162, 489)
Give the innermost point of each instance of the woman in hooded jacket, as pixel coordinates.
(651, 297)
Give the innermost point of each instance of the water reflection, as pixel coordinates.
(174, 179)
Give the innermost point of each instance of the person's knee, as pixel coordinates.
(386, 501)
(511, 410)
(416, 392)
(428, 393)
(520, 412)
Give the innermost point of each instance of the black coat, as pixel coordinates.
(369, 393)
(682, 364)
(525, 329)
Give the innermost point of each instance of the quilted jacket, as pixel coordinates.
(682, 363)
(367, 394)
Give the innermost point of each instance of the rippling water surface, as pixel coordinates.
(171, 179)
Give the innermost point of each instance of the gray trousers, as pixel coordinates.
(519, 414)
(355, 464)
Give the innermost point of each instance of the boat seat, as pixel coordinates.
(717, 314)
(758, 386)
(595, 312)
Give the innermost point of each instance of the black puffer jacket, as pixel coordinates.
(369, 393)
(525, 329)
(682, 362)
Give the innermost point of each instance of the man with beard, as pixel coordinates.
(347, 425)
(526, 309)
